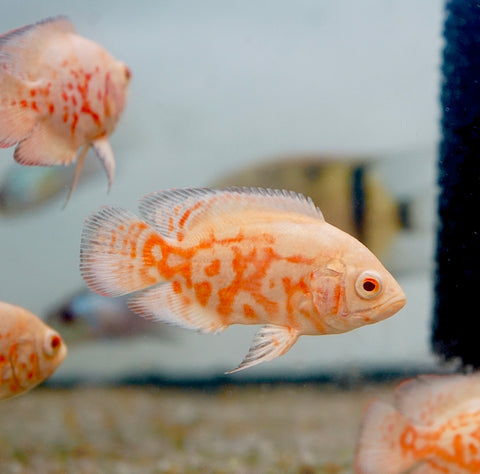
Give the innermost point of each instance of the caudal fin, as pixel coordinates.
(379, 449)
(118, 252)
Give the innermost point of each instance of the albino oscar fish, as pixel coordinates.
(433, 427)
(58, 92)
(206, 259)
(30, 351)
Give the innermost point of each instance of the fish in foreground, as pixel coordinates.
(30, 351)
(59, 92)
(432, 427)
(88, 316)
(205, 259)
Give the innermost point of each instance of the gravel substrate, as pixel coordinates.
(301, 429)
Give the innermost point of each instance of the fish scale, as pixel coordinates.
(204, 259)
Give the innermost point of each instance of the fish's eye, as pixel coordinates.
(128, 73)
(369, 285)
(52, 343)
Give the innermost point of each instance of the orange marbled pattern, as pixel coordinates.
(433, 427)
(30, 351)
(240, 256)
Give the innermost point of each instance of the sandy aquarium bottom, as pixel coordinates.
(301, 429)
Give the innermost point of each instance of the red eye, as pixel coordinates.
(55, 342)
(369, 285)
(52, 343)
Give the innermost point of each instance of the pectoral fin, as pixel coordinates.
(270, 342)
(78, 170)
(104, 152)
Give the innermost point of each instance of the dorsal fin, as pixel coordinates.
(19, 47)
(180, 210)
(424, 399)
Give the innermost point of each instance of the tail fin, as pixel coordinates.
(118, 252)
(379, 449)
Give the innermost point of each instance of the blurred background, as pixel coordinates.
(223, 88)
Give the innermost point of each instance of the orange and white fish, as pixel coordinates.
(30, 351)
(58, 92)
(238, 256)
(433, 427)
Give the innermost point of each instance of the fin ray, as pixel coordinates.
(421, 399)
(269, 342)
(78, 170)
(163, 304)
(178, 210)
(15, 121)
(379, 449)
(111, 253)
(20, 48)
(43, 147)
(105, 154)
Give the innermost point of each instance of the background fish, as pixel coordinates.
(348, 189)
(432, 427)
(30, 351)
(24, 189)
(88, 316)
(58, 92)
(238, 256)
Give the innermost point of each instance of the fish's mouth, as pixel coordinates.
(392, 306)
(382, 311)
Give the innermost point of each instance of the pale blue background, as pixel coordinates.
(221, 84)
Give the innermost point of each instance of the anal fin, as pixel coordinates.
(270, 342)
(44, 147)
(163, 304)
(78, 170)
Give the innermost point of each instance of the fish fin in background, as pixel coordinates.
(379, 449)
(20, 51)
(43, 147)
(426, 397)
(15, 122)
(164, 304)
(111, 251)
(270, 342)
(177, 211)
(78, 170)
(21, 48)
(105, 154)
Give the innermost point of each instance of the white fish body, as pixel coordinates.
(206, 259)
